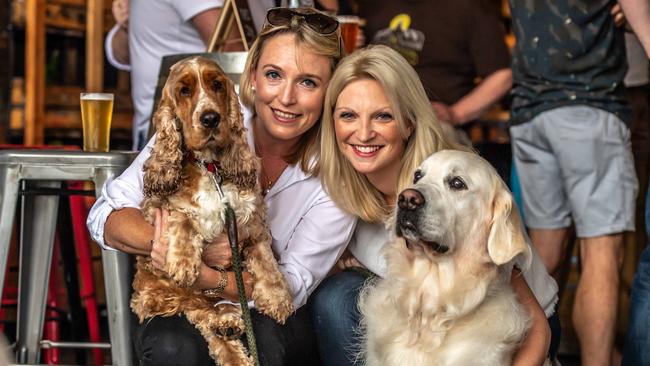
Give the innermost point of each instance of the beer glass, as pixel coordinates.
(349, 31)
(96, 116)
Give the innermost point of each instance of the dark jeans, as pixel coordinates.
(162, 341)
(637, 340)
(336, 318)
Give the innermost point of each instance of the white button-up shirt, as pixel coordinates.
(309, 231)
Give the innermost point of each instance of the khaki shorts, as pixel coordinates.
(576, 162)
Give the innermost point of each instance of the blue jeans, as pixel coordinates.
(335, 317)
(637, 341)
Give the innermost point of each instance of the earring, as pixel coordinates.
(253, 89)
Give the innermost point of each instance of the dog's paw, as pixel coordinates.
(277, 307)
(229, 324)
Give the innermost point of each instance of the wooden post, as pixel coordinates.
(6, 72)
(94, 46)
(35, 73)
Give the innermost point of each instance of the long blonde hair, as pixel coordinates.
(349, 189)
(329, 45)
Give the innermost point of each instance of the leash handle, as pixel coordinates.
(231, 222)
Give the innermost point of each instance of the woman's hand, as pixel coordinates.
(218, 253)
(160, 245)
(347, 260)
(617, 13)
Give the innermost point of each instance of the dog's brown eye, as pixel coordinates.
(185, 91)
(217, 85)
(417, 176)
(457, 184)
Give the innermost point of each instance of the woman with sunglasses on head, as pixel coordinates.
(283, 86)
(377, 127)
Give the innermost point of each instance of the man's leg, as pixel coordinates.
(594, 310)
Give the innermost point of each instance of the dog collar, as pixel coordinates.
(211, 167)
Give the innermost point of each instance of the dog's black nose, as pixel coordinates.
(410, 199)
(210, 119)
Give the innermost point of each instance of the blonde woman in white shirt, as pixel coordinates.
(283, 95)
(377, 128)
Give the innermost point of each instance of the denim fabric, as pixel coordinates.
(336, 317)
(637, 340)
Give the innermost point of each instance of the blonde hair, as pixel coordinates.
(349, 189)
(329, 45)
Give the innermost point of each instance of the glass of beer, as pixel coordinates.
(349, 31)
(96, 116)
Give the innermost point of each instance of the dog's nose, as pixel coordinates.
(410, 199)
(210, 119)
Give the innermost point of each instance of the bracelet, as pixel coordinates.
(218, 291)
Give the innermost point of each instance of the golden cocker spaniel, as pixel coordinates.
(446, 298)
(201, 142)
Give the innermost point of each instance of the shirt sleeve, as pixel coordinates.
(108, 47)
(317, 242)
(121, 192)
(540, 282)
(189, 9)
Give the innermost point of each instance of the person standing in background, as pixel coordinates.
(571, 146)
(147, 31)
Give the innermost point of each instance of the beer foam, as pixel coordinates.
(96, 96)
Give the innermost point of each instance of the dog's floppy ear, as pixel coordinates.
(163, 168)
(507, 238)
(239, 163)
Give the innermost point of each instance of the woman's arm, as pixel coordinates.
(534, 349)
(114, 221)
(127, 231)
(315, 244)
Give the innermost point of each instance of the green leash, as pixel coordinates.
(231, 222)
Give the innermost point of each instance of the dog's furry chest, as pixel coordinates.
(430, 324)
(199, 199)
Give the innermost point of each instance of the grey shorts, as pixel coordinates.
(576, 162)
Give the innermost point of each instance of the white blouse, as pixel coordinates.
(309, 232)
(368, 240)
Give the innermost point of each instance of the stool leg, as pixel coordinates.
(8, 200)
(87, 285)
(37, 242)
(117, 269)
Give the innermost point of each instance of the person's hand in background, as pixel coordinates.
(120, 9)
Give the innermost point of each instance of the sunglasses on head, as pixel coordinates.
(319, 23)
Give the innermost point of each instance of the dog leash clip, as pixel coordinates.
(214, 174)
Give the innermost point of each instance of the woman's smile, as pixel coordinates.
(366, 151)
(285, 117)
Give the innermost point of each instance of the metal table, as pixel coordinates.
(47, 169)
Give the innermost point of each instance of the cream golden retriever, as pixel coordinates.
(446, 299)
